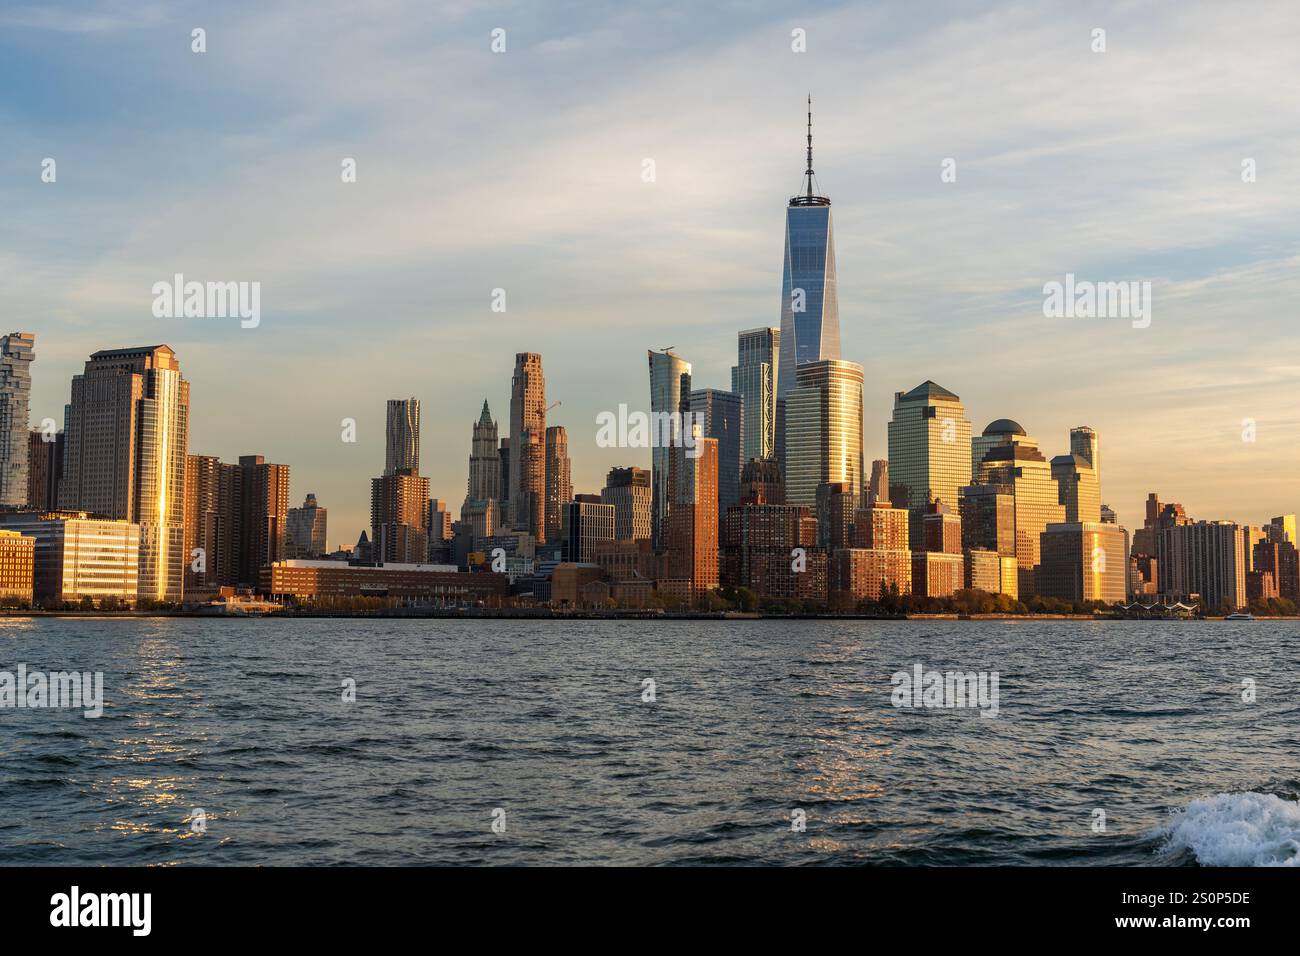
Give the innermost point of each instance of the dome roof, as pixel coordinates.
(1004, 426)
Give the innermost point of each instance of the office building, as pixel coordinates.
(78, 557)
(929, 438)
(17, 557)
(559, 482)
(1084, 561)
(527, 468)
(823, 441)
(585, 524)
(126, 436)
(305, 530)
(754, 378)
(44, 469)
(670, 400)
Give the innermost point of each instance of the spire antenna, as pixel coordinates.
(810, 169)
(808, 196)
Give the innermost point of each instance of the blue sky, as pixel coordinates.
(522, 171)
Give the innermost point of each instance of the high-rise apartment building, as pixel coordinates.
(527, 490)
(263, 515)
(402, 436)
(399, 518)
(211, 524)
(670, 400)
(754, 379)
(126, 436)
(559, 482)
(44, 469)
(691, 558)
(823, 440)
(929, 439)
(17, 351)
(721, 415)
(628, 490)
(1200, 560)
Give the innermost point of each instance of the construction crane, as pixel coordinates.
(550, 406)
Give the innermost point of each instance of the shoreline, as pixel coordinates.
(550, 614)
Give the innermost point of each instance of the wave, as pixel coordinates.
(1236, 829)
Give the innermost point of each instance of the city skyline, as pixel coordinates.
(936, 285)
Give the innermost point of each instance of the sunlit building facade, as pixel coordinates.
(17, 351)
(670, 398)
(754, 379)
(929, 440)
(823, 430)
(402, 436)
(1084, 561)
(126, 435)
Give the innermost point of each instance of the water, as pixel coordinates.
(753, 719)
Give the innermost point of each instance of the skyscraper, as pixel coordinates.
(691, 557)
(559, 483)
(929, 440)
(1016, 470)
(402, 436)
(721, 415)
(305, 530)
(264, 513)
(16, 355)
(211, 518)
(824, 430)
(810, 311)
(125, 442)
(754, 378)
(484, 459)
(527, 489)
(44, 469)
(628, 490)
(670, 398)
(399, 518)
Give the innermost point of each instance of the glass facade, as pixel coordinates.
(754, 379)
(810, 310)
(670, 394)
(929, 448)
(721, 415)
(824, 430)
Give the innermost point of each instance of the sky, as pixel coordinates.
(523, 170)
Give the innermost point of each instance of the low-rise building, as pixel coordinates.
(78, 556)
(431, 583)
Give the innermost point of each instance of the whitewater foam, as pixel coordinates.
(1237, 829)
